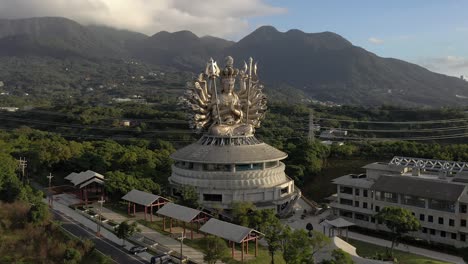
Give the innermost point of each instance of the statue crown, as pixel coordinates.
(229, 72)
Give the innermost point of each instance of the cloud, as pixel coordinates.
(450, 65)
(375, 40)
(228, 18)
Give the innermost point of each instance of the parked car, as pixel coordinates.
(161, 259)
(137, 249)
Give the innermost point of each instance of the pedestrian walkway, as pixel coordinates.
(61, 206)
(298, 222)
(172, 244)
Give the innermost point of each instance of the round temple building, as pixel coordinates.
(228, 163)
(229, 169)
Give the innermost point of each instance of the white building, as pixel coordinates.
(435, 191)
(228, 169)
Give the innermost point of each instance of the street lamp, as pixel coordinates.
(101, 202)
(51, 198)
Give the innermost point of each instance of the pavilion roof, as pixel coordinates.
(226, 230)
(141, 197)
(179, 212)
(82, 177)
(339, 223)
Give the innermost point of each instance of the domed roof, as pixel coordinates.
(234, 150)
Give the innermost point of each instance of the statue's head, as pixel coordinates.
(228, 75)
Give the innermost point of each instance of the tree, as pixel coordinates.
(72, 256)
(241, 212)
(125, 230)
(299, 248)
(38, 213)
(215, 249)
(189, 196)
(399, 220)
(339, 257)
(274, 235)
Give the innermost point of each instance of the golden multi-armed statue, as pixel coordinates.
(231, 112)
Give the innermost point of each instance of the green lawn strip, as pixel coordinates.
(367, 250)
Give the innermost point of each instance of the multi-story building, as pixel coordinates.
(435, 191)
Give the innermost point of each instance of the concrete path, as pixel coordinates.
(171, 243)
(297, 222)
(61, 205)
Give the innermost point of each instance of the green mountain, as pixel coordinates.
(322, 66)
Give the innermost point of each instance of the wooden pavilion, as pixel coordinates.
(233, 233)
(184, 214)
(147, 200)
(88, 184)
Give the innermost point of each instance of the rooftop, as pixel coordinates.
(415, 186)
(179, 212)
(228, 231)
(141, 198)
(228, 151)
(82, 177)
(352, 180)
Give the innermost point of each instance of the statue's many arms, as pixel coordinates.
(230, 111)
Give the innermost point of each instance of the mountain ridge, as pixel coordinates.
(323, 65)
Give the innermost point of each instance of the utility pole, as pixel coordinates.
(51, 197)
(310, 135)
(182, 236)
(101, 202)
(22, 166)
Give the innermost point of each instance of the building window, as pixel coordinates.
(454, 235)
(285, 190)
(421, 217)
(246, 167)
(441, 220)
(451, 222)
(463, 222)
(347, 190)
(271, 164)
(413, 201)
(424, 230)
(462, 237)
(364, 193)
(216, 167)
(390, 197)
(362, 217)
(372, 220)
(432, 231)
(345, 213)
(364, 205)
(377, 208)
(430, 218)
(346, 201)
(442, 233)
(463, 208)
(442, 205)
(356, 203)
(212, 197)
(356, 192)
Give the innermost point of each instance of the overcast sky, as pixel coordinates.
(431, 33)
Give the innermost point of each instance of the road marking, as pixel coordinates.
(93, 235)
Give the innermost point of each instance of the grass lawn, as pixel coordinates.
(368, 250)
(263, 254)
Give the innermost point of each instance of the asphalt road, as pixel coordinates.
(105, 246)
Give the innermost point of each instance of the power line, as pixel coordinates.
(398, 122)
